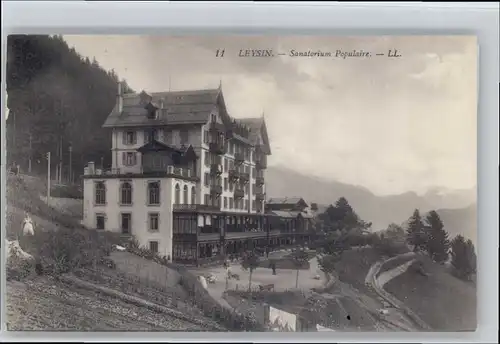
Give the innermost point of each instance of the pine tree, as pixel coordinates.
(416, 232)
(463, 257)
(438, 244)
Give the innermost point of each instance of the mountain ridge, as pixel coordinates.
(380, 210)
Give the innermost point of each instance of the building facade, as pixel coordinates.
(186, 178)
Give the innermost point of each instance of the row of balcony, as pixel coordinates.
(90, 170)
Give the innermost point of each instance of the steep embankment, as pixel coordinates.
(443, 301)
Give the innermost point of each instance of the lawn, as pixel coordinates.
(44, 304)
(445, 302)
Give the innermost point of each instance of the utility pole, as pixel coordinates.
(60, 158)
(31, 155)
(70, 162)
(48, 177)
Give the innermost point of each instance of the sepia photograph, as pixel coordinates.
(241, 183)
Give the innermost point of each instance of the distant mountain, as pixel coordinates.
(460, 221)
(380, 210)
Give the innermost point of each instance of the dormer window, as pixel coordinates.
(213, 118)
(150, 135)
(152, 111)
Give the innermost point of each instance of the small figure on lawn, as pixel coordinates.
(273, 267)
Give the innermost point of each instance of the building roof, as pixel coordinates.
(291, 214)
(257, 126)
(180, 107)
(185, 107)
(286, 200)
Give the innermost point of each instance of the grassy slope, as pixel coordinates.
(443, 301)
(24, 195)
(354, 266)
(43, 304)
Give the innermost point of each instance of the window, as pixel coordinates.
(207, 179)
(126, 223)
(231, 164)
(193, 195)
(254, 205)
(130, 138)
(150, 135)
(246, 204)
(186, 196)
(213, 118)
(205, 137)
(225, 164)
(129, 158)
(154, 222)
(231, 186)
(207, 199)
(154, 193)
(177, 194)
(253, 173)
(225, 184)
(225, 202)
(153, 246)
(184, 136)
(231, 203)
(126, 194)
(100, 220)
(207, 158)
(100, 193)
(254, 189)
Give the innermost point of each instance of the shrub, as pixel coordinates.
(387, 247)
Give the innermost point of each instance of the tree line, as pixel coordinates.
(341, 229)
(58, 101)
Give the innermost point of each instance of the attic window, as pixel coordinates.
(152, 111)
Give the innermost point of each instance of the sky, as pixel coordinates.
(391, 125)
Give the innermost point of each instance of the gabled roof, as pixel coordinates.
(258, 128)
(286, 200)
(156, 146)
(180, 107)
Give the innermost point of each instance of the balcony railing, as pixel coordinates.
(260, 180)
(217, 147)
(234, 174)
(239, 193)
(244, 177)
(239, 157)
(170, 170)
(195, 207)
(260, 196)
(215, 169)
(217, 127)
(216, 189)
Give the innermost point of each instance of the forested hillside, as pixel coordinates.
(57, 100)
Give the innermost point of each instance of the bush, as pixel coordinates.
(387, 247)
(68, 249)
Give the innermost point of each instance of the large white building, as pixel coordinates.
(187, 179)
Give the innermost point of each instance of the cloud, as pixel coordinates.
(391, 125)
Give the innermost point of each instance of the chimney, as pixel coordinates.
(119, 97)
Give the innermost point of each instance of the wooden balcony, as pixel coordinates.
(239, 158)
(216, 189)
(216, 127)
(239, 193)
(244, 177)
(217, 147)
(215, 169)
(234, 174)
